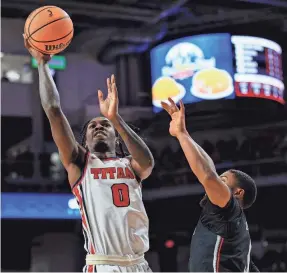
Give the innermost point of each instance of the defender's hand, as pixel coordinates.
(109, 106)
(40, 57)
(177, 124)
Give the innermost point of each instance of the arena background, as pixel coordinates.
(40, 226)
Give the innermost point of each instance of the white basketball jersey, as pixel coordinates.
(113, 214)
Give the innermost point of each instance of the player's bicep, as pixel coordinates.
(217, 191)
(63, 136)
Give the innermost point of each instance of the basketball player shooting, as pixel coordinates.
(107, 187)
(221, 240)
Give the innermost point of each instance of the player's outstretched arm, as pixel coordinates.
(199, 161)
(61, 130)
(142, 160)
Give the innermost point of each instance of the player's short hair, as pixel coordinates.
(248, 184)
(120, 151)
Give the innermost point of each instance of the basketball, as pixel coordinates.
(49, 29)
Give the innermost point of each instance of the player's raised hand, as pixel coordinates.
(36, 54)
(177, 124)
(109, 106)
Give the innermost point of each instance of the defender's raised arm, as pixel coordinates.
(199, 161)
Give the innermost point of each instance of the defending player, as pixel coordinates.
(107, 187)
(221, 240)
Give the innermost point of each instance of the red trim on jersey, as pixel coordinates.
(84, 220)
(90, 268)
(80, 200)
(90, 246)
(79, 181)
(109, 158)
(218, 254)
(92, 249)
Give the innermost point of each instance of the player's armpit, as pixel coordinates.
(142, 173)
(217, 191)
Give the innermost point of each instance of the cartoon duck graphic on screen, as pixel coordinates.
(180, 64)
(184, 59)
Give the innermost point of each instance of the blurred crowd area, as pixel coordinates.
(272, 261)
(259, 152)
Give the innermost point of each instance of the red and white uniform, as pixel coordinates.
(115, 223)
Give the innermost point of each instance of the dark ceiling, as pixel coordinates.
(133, 25)
(130, 13)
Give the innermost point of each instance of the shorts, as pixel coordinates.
(141, 267)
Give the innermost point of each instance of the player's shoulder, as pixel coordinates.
(76, 168)
(227, 221)
(126, 160)
(231, 210)
(128, 157)
(81, 156)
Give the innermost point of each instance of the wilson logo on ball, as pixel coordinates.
(54, 47)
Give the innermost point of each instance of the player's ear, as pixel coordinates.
(239, 193)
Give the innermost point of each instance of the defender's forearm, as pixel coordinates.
(135, 145)
(48, 91)
(199, 161)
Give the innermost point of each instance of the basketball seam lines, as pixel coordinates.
(52, 40)
(35, 16)
(38, 49)
(68, 42)
(50, 53)
(47, 25)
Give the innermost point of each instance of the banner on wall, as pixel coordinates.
(39, 206)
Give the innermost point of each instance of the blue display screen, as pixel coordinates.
(39, 206)
(216, 66)
(192, 69)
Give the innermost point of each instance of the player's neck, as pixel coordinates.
(104, 155)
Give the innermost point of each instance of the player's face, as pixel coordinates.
(229, 179)
(100, 133)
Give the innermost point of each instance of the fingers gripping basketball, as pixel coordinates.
(49, 29)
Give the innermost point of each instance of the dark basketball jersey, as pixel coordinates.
(221, 240)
